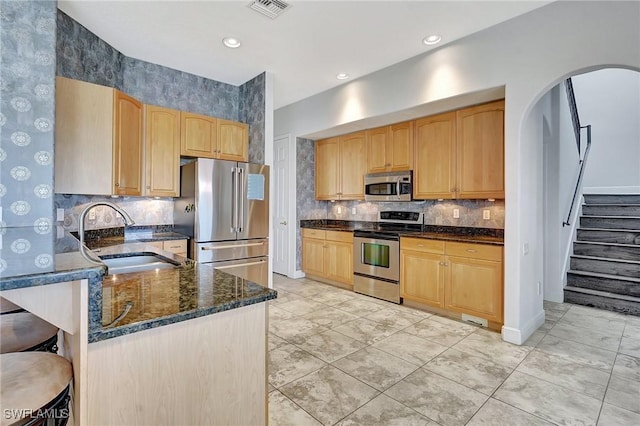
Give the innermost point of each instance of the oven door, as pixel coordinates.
(377, 257)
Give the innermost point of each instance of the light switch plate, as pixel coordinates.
(486, 214)
(353, 210)
(456, 213)
(59, 215)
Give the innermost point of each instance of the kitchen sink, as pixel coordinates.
(136, 262)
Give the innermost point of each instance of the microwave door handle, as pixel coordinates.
(398, 186)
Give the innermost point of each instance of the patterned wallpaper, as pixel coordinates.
(84, 56)
(27, 88)
(252, 105)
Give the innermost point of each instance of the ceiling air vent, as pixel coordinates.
(269, 8)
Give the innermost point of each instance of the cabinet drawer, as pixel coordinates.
(343, 236)
(475, 251)
(422, 244)
(313, 233)
(156, 244)
(175, 246)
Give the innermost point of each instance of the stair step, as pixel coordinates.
(621, 236)
(603, 265)
(607, 250)
(610, 222)
(611, 210)
(602, 300)
(612, 198)
(604, 282)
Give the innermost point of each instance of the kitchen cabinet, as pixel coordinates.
(99, 145)
(480, 135)
(210, 137)
(460, 154)
(162, 152)
(328, 255)
(435, 154)
(390, 148)
(178, 247)
(233, 140)
(458, 277)
(341, 164)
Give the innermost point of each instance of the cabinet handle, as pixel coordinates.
(420, 245)
(472, 251)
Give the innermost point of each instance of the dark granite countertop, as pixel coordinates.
(97, 238)
(154, 298)
(434, 232)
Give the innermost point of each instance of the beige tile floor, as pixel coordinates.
(337, 357)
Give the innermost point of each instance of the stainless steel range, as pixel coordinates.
(376, 254)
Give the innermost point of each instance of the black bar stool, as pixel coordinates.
(34, 389)
(24, 331)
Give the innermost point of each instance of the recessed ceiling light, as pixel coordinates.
(231, 42)
(432, 39)
(342, 76)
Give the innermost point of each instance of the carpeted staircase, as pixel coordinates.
(605, 266)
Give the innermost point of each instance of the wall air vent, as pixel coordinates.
(269, 8)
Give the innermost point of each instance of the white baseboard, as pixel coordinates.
(519, 336)
(298, 274)
(611, 190)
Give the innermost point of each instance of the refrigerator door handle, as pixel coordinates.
(234, 200)
(233, 246)
(241, 197)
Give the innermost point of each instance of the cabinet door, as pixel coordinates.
(162, 151)
(327, 160)
(422, 277)
(435, 157)
(400, 148)
(313, 261)
(353, 166)
(481, 151)
(233, 140)
(127, 145)
(178, 247)
(474, 286)
(339, 261)
(198, 135)
(377, 140)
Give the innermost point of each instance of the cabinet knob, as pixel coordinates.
(117, 184)
(284, 222)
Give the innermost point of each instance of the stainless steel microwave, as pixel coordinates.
(391, 186)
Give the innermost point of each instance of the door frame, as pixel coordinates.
(290, 214)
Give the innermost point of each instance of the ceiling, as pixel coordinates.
(305, 47)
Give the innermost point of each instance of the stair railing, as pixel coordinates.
(583, 162)
(577, 129)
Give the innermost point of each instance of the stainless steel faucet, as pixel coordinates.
(125, 216)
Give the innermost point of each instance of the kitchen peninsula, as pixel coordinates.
(181, 346)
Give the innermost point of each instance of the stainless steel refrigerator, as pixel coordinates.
(224, 209)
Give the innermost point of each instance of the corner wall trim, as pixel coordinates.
(519, 336)
(298, 274)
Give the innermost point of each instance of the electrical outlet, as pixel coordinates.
(539, 288)
(456, 213)
(353, 210)
(92, 214)
(486, 214)
(60, 215)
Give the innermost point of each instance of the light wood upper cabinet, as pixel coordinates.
(97, 122)
(209, 137)
(341, 164)
(390, 148)
(435, 157)
(198, 135)
(327, 164)
(233, 140)
(353, 166)
(481, 151)
(162, 151)
(377, 141)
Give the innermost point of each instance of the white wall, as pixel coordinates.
(561, 165)
(609, 100)
(528, 55)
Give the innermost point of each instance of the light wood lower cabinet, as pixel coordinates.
(328, 255)
(459, 277)
(178, 247)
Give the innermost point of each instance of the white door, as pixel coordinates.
(281, 222)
